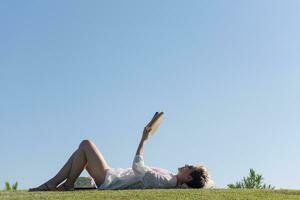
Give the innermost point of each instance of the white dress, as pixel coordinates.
(138, 177)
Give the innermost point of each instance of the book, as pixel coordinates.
(155, 122)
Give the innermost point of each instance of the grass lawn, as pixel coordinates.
(171, 194)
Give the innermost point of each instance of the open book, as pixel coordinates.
(155, 122)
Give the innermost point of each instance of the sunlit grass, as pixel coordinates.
(171, 194)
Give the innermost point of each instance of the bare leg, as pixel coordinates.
(87, 155)
(62, 174)
(58, 178)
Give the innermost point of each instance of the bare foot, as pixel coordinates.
(43, 187)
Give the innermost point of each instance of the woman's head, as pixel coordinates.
(193, 176)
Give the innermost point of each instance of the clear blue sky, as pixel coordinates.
(226, 73)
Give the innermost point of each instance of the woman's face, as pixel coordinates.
(184, 173)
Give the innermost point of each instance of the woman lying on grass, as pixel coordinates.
(140, 176)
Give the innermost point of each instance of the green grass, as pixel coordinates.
(172, 194)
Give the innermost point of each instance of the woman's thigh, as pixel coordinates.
(96, 164)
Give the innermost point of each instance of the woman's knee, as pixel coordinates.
(86, 143)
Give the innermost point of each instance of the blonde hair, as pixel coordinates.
(201, 178)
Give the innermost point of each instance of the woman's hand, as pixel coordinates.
(146, 133)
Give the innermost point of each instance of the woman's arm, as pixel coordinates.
(140, 149)
(138, 165)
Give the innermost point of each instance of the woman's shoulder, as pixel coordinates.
(161, 170)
